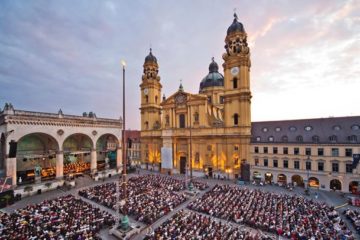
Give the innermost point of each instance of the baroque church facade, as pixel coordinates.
(208, 132)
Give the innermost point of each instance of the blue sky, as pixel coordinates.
(66, 54)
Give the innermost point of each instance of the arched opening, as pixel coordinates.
(268, 177)
(314, 182)
(257, 176)
(146, 125)
(297, 180)
(354, 187)
(77, 154)
(106, 147)
(236, 119)
(335, 184)
(36, 158)
(156, 99)
(2, 151)
(282, 179)
(146, 99)
(235, 83)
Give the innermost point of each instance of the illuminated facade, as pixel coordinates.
(208, 132)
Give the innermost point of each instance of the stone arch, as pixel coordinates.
(297, 180)
(314, 182)
(106, 150)
(335, 184)
(36, 150)
(269, 177)
(281, 178)
(354, 187)
(256, 176)
(77, 153)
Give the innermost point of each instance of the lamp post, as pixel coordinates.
(307, 173)
(125, 219)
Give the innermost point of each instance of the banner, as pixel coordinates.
(166, 158)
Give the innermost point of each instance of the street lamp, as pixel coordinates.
(307, 173)
(125, 219)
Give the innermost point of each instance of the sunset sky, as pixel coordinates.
(66, 54)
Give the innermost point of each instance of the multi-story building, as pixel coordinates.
(206, 132)
(317, 152)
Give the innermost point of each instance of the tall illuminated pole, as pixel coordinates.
(125, 220)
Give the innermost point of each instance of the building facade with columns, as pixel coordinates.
(51, 145)
(208, 132)
(314, 152)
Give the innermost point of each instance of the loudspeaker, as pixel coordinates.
(12, 150)
(245, 172)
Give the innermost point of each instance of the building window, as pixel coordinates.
(335, 167)
(236, 147)
(308, 128)
(352, 138)
(349, 168)
(277, 129)
(156, 99)
(182, 120)
(315, 139)
(146, 125)
(333, 138)
(286, 164)
(299, 138)
(336, 128)
(296, 151)
(284, 139)
(320, 152)
(320, 166)
(292, 129)
(265, 129)
(235, 83)
(196, 117)
(258, 139)
(256, 149)
(271, 139)
(256, 161)
(275, 150)
(308, 165)
(355, 127)
(221, 99)
(167, 120)
(308, 151)
(266, 163)
(265, 149)
(236, 119)
(348, 152)
(275, 163)
(147, 99)
(285, 150)
(335, 152)
(296, 164)
(209, 99)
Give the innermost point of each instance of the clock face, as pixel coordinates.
(180, 99)
(146, 91)
(234, 71)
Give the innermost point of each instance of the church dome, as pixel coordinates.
(214, 78)
(150, 57)
(235, 26)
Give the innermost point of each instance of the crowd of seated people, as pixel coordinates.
(354, 217)
(66, 217)
(189, 225)
(291, 216)
(149, 197)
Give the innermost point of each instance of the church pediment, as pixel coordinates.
(181, 97)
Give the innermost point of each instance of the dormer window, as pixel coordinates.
(352, 138)
(299, 138)
(284, 138)
(315, 139)
(333, 138)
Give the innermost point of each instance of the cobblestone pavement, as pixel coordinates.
(332, 198)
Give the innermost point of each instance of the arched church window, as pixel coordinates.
(196, 117)
(156, 99)
(147, 99)
(182, 120)
(235, 83)
(236, 119)
(167, 119)
(146, 125)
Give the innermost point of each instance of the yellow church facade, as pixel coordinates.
(205, 133)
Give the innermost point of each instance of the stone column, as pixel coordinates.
(93, 165)
(59, 164)
(118, 159)
(11, 170)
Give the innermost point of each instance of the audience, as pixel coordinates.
(354, 217)
(189, 225)
(149, 197)
(290, 216)
(65, 217)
